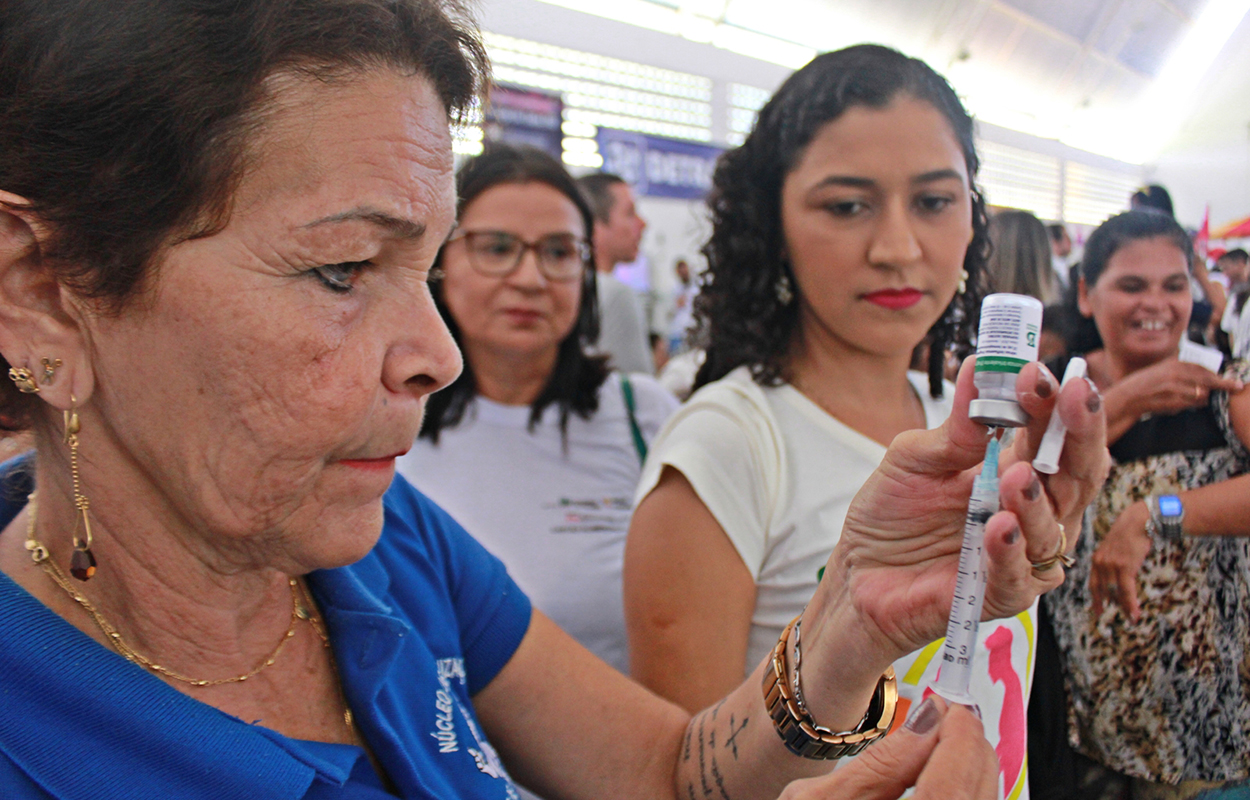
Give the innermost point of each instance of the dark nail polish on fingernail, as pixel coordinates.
(1044, 387)
(924, 719)
(1033, 490)
(1014, 536)
(1093, 402)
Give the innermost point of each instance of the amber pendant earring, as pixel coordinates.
(82, 564)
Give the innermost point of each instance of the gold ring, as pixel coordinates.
(1060, 556)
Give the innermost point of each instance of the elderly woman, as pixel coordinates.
(216, 225)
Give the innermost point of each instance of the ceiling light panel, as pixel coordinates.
(575, 63)
(1153, 35)
(1018, 178)
(1091, 194)
(609, 92)
(1076, 18)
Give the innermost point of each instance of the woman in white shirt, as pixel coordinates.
(848, 230)
(537, 447)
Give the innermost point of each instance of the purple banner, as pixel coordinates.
(659, 167)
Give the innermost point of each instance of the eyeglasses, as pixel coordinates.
(496, 254)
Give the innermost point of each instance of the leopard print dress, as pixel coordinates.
(1166, 698)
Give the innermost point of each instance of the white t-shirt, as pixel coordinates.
(556, 516)
(779, 473)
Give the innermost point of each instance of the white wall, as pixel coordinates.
(675, 229)
(1208, 160)
(1218, 175)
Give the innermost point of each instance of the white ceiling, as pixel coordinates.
(1075, 70)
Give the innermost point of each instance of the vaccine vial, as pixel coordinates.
(1006, 340)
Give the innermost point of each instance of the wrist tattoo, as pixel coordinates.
(712, 783)
(732, 741)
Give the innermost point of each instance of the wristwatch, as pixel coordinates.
(800, 733)
(1166, 515)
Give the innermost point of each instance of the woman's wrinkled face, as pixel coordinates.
(279, 366)
(523, 314)
(1141, 301)
(877, 216)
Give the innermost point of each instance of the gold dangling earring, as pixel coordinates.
(24, 380)
(82, 564)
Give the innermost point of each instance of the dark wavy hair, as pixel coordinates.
(739, 319)
(1130, 226)
(125, 124)
(575, 380)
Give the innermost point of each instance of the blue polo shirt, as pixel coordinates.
(418, 626)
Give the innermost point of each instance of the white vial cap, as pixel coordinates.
(1051, 448)
(997, 413)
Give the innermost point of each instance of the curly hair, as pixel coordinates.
(575, 380)
(739, 319)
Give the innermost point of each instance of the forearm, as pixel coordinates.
(1220, 509)
(733, 749)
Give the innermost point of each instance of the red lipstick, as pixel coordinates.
(895, 299)
(386, 462)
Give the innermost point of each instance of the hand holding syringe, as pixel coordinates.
(965, 617)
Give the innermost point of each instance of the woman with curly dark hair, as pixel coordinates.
(848, 229)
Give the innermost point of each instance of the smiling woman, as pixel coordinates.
(1153, 621)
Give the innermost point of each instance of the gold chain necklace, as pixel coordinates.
(40, 555)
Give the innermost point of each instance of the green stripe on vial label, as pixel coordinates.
(999, 364)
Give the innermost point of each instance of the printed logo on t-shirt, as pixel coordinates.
(591, 515)
(448, 710)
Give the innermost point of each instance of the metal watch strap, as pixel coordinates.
(1168, 528)
(800, 733)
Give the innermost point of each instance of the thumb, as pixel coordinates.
(884, 770)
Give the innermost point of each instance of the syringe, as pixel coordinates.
(961, 630)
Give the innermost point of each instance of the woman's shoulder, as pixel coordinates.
(645, 388)
(727, 418)
(735, 388)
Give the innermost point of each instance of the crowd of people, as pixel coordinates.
(352, 478)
